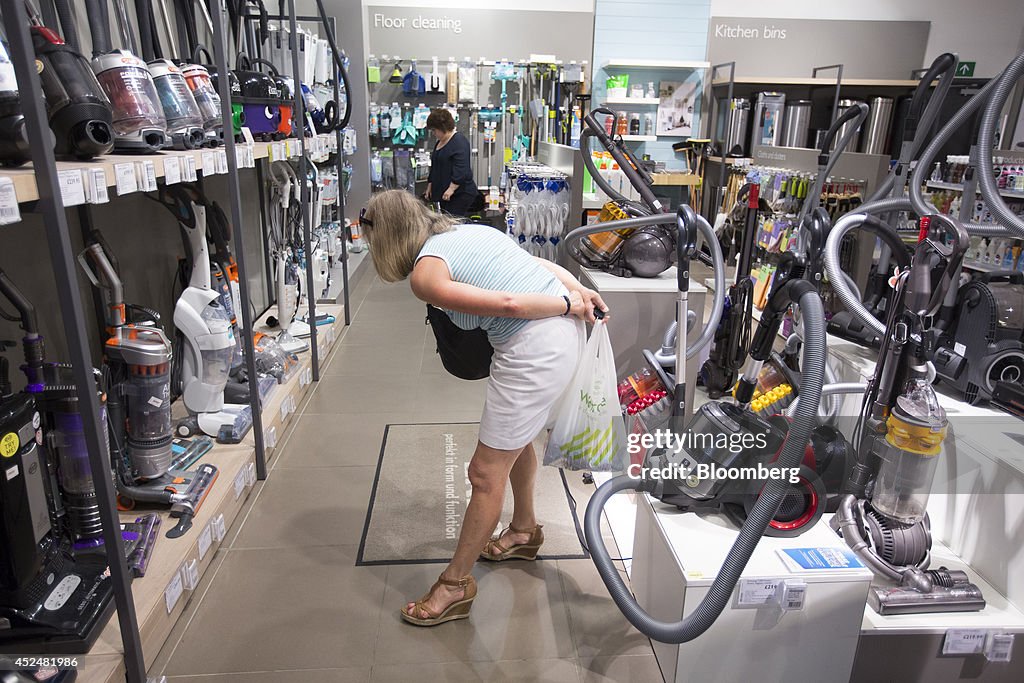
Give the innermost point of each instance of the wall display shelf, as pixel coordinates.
(655, 64)
(204, 161)
(816, 81)
(637, 101)
(148, 608)
(675, 179)
(638, 138)
(172, 558)
(958, 187)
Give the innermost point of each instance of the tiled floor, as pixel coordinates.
(284, 601)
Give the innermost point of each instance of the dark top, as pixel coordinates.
(450, 164)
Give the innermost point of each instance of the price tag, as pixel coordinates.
(219, 530)
(147, 175)
(72, 187)
(173, 591)
(250, 474)
(125, 179)
(97, 186)
(205, 540)
(964, 641)
(190, 168)
(209, 163)
(287, 149)
(239, 483)
(190, 574)
(284, 409)
(270, 437)
(9, 211)
(172, 170)
(247, 136)
(222, 161)
(999, 648)
(757, 592)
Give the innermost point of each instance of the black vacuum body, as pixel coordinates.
(50, 601)
(987, 344)
(724, 437)
(79, 112)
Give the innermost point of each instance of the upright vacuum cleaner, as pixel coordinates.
(138, 386)
(51, 601)
(899, 441)
(205, 328)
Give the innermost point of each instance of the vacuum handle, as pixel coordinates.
(941, 65)
(686, 245)
(1014, 277)
(339, 63)
(199, 51)
(637, 177)
(588, 162)
(851, 113)
(267, 63)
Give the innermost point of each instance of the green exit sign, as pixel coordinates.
(965, 69)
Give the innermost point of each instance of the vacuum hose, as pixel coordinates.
(99, 26)
(336, 53)
(753, 528)
(718, 302)
(986, 134)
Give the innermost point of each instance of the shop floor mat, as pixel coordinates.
(420, 495)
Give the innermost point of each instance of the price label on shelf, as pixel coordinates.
(190, 574)
(125, 180)
(173, 591)
(222, 161)
(209, 163)
(205, 540)
(97, 189)
(9, 211)
(147, 175)
(72, 186)
(219, 529)
(250, 474)
(280, 151)
(757, 592)
(172, 170)
(189, 170)
(284, 409)
(239, 483)
(270, 437)
(964, 641)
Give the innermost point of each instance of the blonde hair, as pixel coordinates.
(399, 225)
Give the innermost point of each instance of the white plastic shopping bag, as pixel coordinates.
(588, 432)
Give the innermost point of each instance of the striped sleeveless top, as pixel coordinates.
(481, 256)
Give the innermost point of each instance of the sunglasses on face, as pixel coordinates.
(363, 220)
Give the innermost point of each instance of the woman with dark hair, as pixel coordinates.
(451, 176)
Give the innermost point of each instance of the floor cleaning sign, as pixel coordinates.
(417, 22)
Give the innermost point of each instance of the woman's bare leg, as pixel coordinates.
(489, 469)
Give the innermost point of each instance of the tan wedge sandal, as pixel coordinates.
(457, 610)
(496, 552)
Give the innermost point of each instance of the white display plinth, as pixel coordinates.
(676, 557)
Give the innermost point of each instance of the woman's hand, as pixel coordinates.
(427, 195)
(577, 307)
(447, 196)
(591, 300)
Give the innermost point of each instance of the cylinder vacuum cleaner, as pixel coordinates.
(52, 600)
(986, 344)
(696, 472)
(644, 252)
(77, 108)
(14, 145)
(137, 379)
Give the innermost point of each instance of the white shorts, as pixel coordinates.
(529, 374)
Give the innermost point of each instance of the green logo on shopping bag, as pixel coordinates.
(591, 445)
(590, 405)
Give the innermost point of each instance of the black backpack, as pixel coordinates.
(464, 353)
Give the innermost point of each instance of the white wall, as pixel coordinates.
(536, 5)
(989, 32)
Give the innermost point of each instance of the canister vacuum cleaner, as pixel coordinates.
(697, 465)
